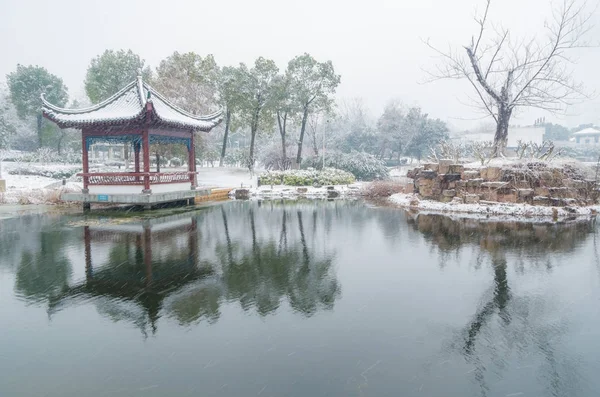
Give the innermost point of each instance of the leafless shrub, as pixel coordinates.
(382, 189)
(24, 198)
(448, 150)
(546, 151)
(482, 151)
(53, 196)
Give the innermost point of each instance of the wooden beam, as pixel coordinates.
(170, 133)
(113, 132)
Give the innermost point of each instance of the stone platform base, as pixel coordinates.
(149, 200)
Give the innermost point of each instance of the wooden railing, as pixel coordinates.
(136, 178)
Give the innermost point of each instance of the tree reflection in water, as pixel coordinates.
(521, 319)
(281, 266)
(186, 266)
(45, 270)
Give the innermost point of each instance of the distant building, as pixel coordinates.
(587, 136)
(533, 134)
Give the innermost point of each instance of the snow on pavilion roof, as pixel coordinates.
(128, 107)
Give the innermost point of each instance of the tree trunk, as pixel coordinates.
(283, 149)
(302, 129)
(157, 162)
(282, 132)
(39, 130)
(252, 139)
(253, 130)
(314, 143)
(501, 136)
(60, 140)
(225, 136)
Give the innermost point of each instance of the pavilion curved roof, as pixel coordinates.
(129, 107)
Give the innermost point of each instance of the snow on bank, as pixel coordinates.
(292, 192)
(496, 209)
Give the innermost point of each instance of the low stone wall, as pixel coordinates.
(534, 183)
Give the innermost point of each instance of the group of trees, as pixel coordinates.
(252, 97)
(261, 103)
(255, 98)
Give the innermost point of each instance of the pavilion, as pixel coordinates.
(139, 116)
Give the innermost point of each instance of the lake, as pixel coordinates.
(315, 298)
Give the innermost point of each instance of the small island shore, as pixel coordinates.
(485, 209)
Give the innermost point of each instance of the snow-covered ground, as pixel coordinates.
(226, 177)
(21, 182)
(502, 210)
(291, 192)
(35, 189)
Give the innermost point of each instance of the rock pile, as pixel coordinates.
(534, 183)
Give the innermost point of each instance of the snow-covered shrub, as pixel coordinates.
(309, 177)
(176, 162)
(582, 152)
(46, 155)
(363, 166)
(64, 172)
(272, 159)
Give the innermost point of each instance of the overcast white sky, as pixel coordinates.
(375, 45)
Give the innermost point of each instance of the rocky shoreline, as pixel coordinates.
(485, 209)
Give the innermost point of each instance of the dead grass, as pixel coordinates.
(24, 198)
(382, 189)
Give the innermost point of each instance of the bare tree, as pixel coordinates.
(507, 73)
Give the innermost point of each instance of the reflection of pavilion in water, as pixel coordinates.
(144, 263)
(141, 271)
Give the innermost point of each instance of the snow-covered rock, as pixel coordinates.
(487, 209)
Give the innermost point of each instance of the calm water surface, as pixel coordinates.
(297, 299)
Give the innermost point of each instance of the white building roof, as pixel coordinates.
(130, 107)
(587, 132)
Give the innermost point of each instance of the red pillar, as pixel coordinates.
(85, 160)
(136, 153)
(192, 161)
(146, 149)
(136, 159)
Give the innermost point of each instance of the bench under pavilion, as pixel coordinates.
(139, 116)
